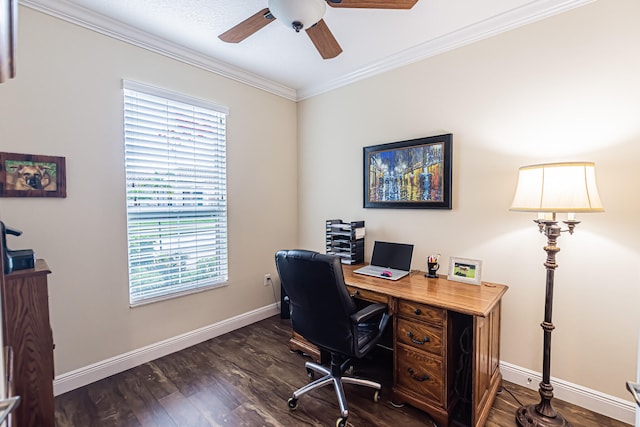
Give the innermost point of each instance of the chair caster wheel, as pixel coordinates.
(311, 374)
(376, 396)
(292, 403)
(341, 422)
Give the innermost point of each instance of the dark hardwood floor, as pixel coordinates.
(245, 377)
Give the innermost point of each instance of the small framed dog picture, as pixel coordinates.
(32, 175)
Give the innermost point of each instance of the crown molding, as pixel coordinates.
(518, 17)
(531, 12)
(86, 18)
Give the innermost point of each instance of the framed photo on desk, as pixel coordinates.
(409, 174)
(465, 270)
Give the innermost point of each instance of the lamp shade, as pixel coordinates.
(306, 12)
(557, 187)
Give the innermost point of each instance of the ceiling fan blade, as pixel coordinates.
(374, 4)
(323, 40)
(247, 27)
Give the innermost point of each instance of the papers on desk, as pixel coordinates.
(346, 229)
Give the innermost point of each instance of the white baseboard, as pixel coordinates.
(593, 400)
(100, 370)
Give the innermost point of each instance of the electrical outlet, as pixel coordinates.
(267, 279)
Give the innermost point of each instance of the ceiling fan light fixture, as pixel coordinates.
(298, 14)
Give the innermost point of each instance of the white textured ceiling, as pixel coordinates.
(286, 63)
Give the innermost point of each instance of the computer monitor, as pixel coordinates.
(392, 255)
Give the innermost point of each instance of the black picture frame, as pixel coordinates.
(411, 174)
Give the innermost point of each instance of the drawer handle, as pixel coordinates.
(417, 378)
(418, 312)
(355, 294)
(415, 341)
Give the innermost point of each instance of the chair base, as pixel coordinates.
(338, 381)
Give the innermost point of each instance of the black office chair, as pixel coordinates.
(324, 313)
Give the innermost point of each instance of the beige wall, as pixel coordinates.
(67, 101)
(566, 88)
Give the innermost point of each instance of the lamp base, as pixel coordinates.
(527, 416)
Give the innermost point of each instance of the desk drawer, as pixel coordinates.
(421, 311)
(421, 336)
(368, 295)
(420, 373)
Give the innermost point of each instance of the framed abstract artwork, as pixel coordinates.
(409, 174)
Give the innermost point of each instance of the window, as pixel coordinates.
(175, 163)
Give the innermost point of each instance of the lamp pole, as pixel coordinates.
(547, 189)
(543, 414)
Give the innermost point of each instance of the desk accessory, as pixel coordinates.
(346, 240)
(465, 270)
(549, 189)
(433, 266)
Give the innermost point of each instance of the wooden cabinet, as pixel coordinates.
(447, 363)
(486, 364)
(27, 331)
(421, 359)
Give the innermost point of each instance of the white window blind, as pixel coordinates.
(175, 161)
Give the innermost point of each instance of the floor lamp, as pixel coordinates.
(549, 189)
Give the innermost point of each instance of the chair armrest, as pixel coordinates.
(369, 312)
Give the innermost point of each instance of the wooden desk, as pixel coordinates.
(446, 343)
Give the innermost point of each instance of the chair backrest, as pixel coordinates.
(319, 301)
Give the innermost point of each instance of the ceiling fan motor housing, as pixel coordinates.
(298, 14)
(306, 15)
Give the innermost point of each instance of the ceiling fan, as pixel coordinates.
(306, 15)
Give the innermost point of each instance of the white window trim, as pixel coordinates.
(174, 96)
